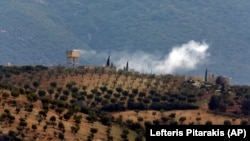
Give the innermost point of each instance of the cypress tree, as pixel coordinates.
(108, 62)
(206, 75)
(127, 66)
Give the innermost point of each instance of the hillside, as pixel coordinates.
(102, 104)
(40, 31)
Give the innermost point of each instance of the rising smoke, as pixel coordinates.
(183, 58)
(180, 59)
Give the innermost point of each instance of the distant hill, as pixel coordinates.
(40, 31)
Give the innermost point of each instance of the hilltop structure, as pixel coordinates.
(212, 78)
(108, 67)
(209, 78)
(73, 57)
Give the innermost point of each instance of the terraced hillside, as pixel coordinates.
(100, 103)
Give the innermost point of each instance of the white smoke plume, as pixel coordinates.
(180, 59)
(91, 56)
